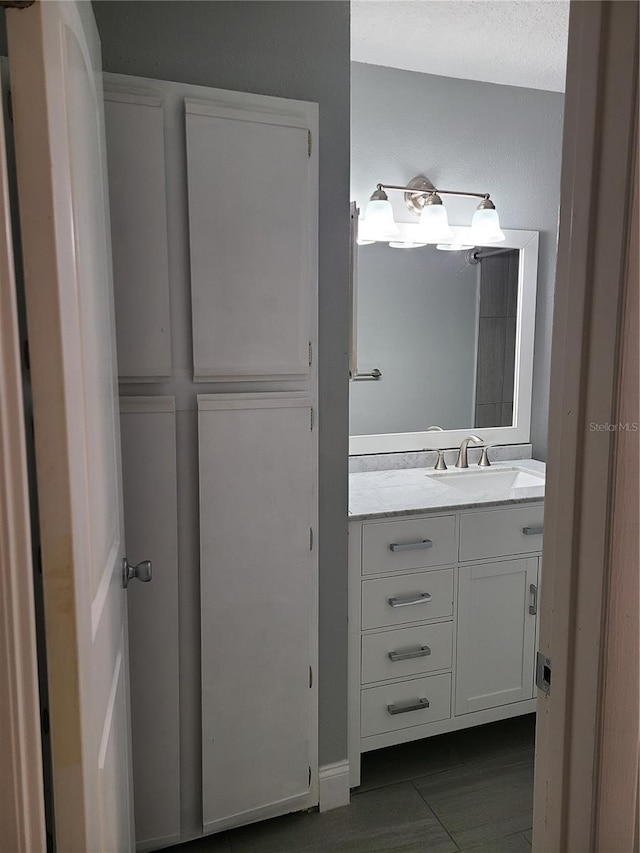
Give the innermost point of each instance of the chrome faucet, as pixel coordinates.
(463, 462)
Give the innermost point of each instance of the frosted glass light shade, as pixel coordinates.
(406, 244)
(379, 223)
(453, 247)
(434, 224)
(485, 227)
(364, 238)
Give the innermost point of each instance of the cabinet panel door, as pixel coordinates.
(250, 227)
(496, 634)
(148, 431)
(257, 603)
(138, 203)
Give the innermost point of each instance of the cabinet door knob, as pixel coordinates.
(536, 530)
(533, 607)
(141, 572)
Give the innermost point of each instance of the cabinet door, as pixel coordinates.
(496, 634)
(258, 612)
(148, 428)
(138, 204)
(252, 235)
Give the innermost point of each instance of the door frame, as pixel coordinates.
(577, 798)
(21, 777)
(579, 500)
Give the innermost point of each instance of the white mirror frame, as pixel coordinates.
(519, 433)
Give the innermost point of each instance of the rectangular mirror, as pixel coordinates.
(441, 339)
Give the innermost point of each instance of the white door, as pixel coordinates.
(497, 605)
(54, 54)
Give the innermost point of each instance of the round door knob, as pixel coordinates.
(141, 572)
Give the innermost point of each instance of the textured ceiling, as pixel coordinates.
(514, 42)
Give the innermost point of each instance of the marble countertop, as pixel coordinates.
(386, 494)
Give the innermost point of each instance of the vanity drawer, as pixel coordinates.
(406, 652)
(501, 532)
(407, 598)
(405, 704)
(418, 543)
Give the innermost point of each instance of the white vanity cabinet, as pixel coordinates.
(443, 622)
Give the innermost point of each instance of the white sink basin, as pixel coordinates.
(504, 480)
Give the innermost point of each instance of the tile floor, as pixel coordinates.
(468, 791)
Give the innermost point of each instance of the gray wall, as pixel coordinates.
(291, 50)
(474, 136)
(418, 324)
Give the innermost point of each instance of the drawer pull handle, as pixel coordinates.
(418, 705)
(421, 598)
(536, 530)
(533, 607)
(422, 652)
(411, 546)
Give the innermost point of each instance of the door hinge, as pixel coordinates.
(543, 673)
(311, 538)
(311, 419)
(310, 677)
(310, 353)
(309, 143)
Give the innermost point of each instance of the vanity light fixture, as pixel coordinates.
(424, 199)
(379, 223)
(434, 222)
(485, 225)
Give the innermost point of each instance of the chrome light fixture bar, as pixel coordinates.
(424, 200)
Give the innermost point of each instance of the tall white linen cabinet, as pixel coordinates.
(214, 199)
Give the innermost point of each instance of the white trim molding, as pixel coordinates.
(586, 767)
(21, 783)
(334, 785)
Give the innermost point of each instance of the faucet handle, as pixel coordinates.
(484, 457)
(440, 465)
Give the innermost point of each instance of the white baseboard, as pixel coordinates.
(334, 785)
